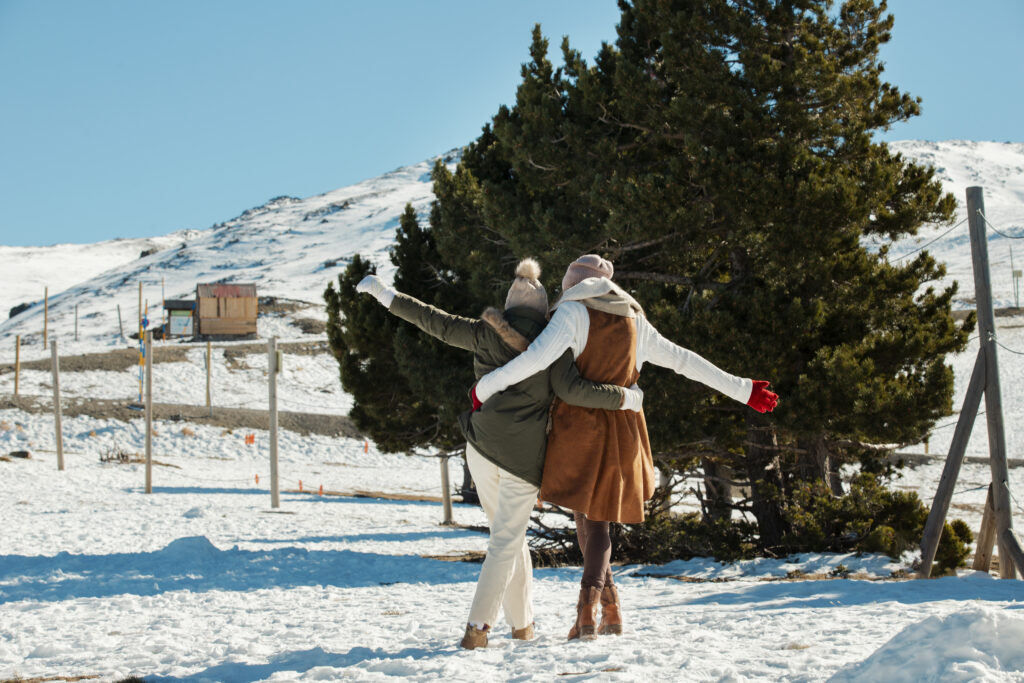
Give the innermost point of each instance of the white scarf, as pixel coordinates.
(602, 294)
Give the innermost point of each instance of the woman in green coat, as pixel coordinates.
(507, 439)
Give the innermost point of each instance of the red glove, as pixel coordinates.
(762, 400)
(476, 402)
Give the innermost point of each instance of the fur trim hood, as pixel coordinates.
(496, 319)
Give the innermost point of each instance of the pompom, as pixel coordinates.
(529, 269)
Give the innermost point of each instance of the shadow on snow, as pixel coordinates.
(785, 595)
(195, 564)
(303, 661)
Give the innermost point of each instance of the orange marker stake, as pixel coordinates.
(257, 480)
(300, 485)
(366, 447)
(321, 490)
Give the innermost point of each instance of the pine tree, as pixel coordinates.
(408, 388)
(722, 154)
(360, 334)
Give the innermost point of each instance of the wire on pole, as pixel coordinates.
(996, 230)
(925, 246)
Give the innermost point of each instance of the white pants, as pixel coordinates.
(506, 578)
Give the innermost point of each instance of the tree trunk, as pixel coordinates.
(815, 461)
(718, 489)
(765, 474)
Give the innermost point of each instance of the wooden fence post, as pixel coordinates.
(55, 368)
(986, 537)
(993, 395)
(120, 325)
(149, 411)
(209, 370)
(1014, 553)
(76, 322)
(17, 363)
(275, 494)
(944, 493)
(446, 492)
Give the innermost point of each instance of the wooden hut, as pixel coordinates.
(226, 310)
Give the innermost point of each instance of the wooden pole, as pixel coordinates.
(209, 371)
(46, 314)
(275, 495)
(944, 494)
(120, 325)
(993, 395)
(446, 491)
(986, 537)
(149, 411)
(55, 368)
(1014, 555)
(17, 363)
(76, 322)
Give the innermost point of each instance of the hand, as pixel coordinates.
(762, 400)
(375, 287)
(632, 399)
(476, 402)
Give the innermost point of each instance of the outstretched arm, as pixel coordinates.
(453, 330)
(542, 352)
(654, 348)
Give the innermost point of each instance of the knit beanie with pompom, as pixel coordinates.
(526, 289)
(589, 265)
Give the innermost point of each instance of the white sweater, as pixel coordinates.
(569, 328)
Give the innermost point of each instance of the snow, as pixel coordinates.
(979, 644)
(203, 580)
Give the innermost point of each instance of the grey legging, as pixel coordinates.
(596, 544)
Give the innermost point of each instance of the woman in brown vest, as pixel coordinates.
(599, 463)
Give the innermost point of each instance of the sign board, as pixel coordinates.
(181, 324)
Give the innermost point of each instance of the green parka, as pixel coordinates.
(511, 429)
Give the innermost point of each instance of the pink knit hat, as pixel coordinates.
(590, 265)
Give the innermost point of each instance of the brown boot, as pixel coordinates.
(525, 633)
(611, 618)
(475, 637)
(586, 610)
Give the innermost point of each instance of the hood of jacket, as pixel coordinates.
(516, 326)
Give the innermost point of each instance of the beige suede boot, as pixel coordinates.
(586, 614)
(611, 618)
(525, 633)
(475, 637)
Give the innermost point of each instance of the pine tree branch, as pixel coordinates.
(529, 160)
(670, 279)
(848, 443)
(618, 251)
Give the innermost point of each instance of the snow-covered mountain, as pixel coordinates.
(998, 167)
(291, 247)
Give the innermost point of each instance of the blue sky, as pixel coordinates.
(131, 118)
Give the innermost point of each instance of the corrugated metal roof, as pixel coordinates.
(221, 291)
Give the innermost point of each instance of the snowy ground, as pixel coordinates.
(202, 580)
